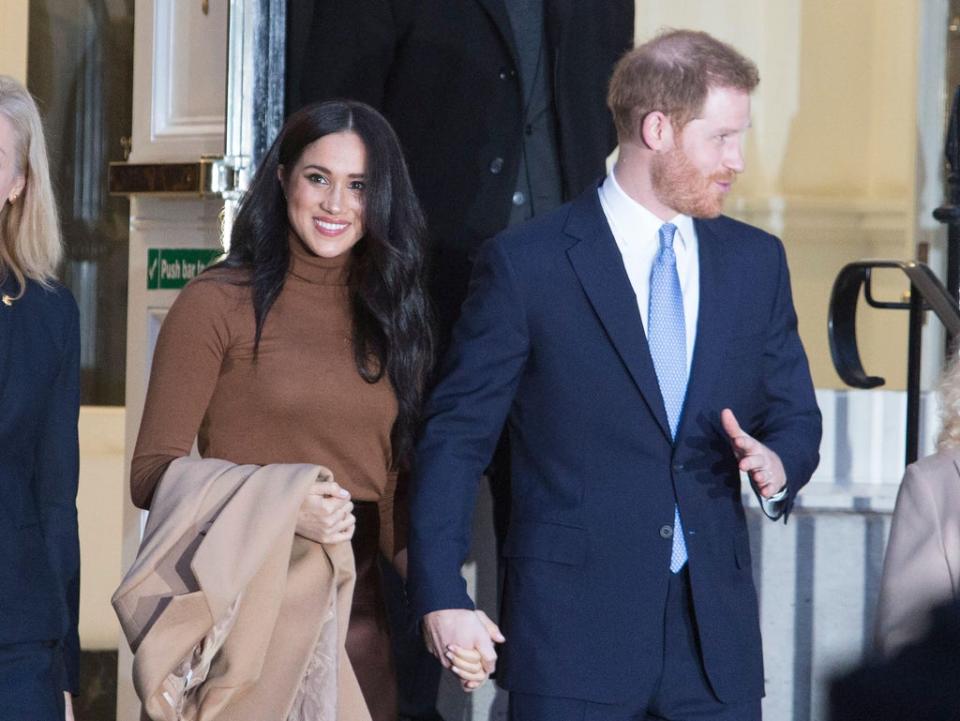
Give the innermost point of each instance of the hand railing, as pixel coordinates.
(926, 293)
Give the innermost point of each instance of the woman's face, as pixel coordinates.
(325, 193)
(11, 181)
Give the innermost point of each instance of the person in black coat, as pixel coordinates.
(500, 106)
(39, 407)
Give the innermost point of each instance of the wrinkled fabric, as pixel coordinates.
(227, 611)
(316, 699)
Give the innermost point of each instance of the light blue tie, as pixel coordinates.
(667, 336)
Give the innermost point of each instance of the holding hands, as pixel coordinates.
(462, 640)
(326, 515)
(760, 463)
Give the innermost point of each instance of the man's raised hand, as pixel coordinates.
(760, 463)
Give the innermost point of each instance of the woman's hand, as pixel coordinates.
(326, 515)
(467, 664)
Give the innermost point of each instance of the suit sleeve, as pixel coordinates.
(55, 488)
(465, 416)
(186, 365)
(349, 51)
(916, 576)
(791, 424)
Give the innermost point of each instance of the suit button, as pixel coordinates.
(503, 74)
(519, 198)
(677, 467)
(666, 531)
(496, 165)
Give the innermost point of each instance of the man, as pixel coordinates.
(644, 350)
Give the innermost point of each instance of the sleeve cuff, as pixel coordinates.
(773, 506)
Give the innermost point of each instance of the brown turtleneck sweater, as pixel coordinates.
(301, 401)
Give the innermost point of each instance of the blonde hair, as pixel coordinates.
(30, 242)
(949, 392)
(673, 73)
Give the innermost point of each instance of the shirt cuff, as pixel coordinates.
(773, 506)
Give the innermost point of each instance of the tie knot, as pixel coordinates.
(667, 231)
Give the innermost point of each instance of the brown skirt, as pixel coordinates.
(368, 636)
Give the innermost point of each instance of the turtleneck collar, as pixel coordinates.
(316, 269)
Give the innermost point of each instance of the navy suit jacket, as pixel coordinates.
(39, 465)
(550, 339)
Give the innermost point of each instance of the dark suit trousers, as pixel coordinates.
(31, 682)
(682, 693)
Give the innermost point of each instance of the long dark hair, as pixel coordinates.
(391, 315)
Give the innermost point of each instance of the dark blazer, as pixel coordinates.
(444, 73)
(39, 465)
(550, 337)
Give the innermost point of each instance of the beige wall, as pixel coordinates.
(831, 159)
(13, 38)
(99, 504)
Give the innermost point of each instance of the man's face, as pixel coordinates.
(695, 176)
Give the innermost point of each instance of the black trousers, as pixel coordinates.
(682, 693)
(31, 687)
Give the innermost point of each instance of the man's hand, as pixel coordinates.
(452, 630)
(761, 464)
(67, 706)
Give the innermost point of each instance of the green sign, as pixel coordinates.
(172, 268)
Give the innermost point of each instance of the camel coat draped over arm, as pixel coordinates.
(230, 615)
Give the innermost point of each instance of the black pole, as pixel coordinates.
(949, 213)
(913, 374)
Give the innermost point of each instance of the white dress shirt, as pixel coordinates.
(637, 233)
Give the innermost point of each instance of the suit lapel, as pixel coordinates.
(712, 320)
(498, 13)
(597, 262)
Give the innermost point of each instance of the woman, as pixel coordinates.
(921, 569)
(310, 343)
(39, 406)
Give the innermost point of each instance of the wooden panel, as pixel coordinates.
(179, 89)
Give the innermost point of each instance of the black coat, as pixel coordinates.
(445, 74)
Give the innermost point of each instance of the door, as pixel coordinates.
(207, 100)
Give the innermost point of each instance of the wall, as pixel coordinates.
(99, 504)
(13, 38)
